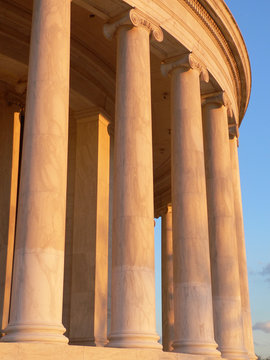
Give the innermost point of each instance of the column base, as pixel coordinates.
(133, 340)
(252, 356)
(88, 342)
(186, 347)
(232, 354)
(35, 333)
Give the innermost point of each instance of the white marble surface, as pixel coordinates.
(222, 233)
(242, 261)
(193, 318)
(22, 351)
(89, 290)
(36, 307)
(167, 280)
(133, 279)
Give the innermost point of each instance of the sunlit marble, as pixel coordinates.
(167, 280)
(37, 291)
(242, 261)
(89, 289)
(193, 317)
(222, 233)
(133, 279)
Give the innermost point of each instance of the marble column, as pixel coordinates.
(9, 160)
(71, 172)
(167, 280)
(89, 286)
(193, 318)
(223, 245)
(37, 290)
(133, 322)
(111, 133)
(240, 235)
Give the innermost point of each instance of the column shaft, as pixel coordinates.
(37, 293)
(223, 246)
(242, 261)
(71, 172)
(194, 331)
(133, 276)
(167, 281)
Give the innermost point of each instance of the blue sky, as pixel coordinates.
(254, 158)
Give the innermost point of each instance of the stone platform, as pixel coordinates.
(31, 351)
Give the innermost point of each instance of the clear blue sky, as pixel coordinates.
(254, 156)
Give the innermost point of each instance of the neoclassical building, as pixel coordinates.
(113, 113)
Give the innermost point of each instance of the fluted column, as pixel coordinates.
(240, 235)
(193, 318)
(133, 277)
(37, 291)
(167, 280)
(223, 245)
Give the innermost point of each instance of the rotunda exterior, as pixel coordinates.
(113, 113)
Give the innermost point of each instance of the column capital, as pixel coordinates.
(219, 98)
(164, 210)
(234, 133)
(133, 17)
(110, 129)
(14, 95)
(186, 61)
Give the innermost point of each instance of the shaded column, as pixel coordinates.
(37, 291)
(111, 133)
(167, 280)
(223, 245)
(9, 159)
(133, 272)
(69, 222)
(89, 285)
(240, 235)
(193, 317)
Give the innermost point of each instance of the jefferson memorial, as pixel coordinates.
(114, 113)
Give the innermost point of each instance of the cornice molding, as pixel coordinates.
(212, 26)
(133, 17)
(187, 61)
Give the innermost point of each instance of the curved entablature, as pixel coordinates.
(111, 125)
(207, 28)
(201, 29)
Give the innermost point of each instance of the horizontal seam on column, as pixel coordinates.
(234, 298)
(134, 216)
(58, 253)
(221, 216)
(48, 134)
(219, 177)
(205, 283)
(39, 191)
(191, 237)
(131, 268)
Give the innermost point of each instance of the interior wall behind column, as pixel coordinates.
(9, 159)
